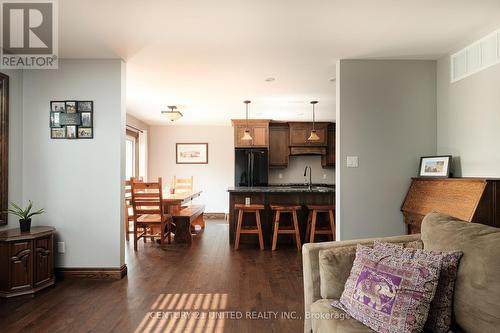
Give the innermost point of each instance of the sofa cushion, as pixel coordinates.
(439, 319)
(477, 289)
(334, 269)
(327, 319)
(391, 293)
(335, 266)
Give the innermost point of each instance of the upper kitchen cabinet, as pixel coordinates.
(259, 131)
(278, 145)
(300, 131)
(328, 160)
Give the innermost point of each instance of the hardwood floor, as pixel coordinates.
(202, 288)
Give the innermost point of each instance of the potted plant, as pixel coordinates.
(24, 215)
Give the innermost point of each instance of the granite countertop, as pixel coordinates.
(283, 189)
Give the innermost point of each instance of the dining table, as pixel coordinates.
(183, 215)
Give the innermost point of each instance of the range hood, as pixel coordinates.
(295, 151)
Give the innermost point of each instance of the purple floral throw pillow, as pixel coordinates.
(388, 293)
(439, 319)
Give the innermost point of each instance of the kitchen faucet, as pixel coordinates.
(310, 175)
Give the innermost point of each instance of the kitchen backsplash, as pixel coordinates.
(295, 172)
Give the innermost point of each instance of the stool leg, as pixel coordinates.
(238, 230)
(259, 228)
(297, 232)
(276, 228)
(308, 227)
(332, 223)
(313, 225)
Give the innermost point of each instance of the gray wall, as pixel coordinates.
(78, 182)
(468, 120)
(386, 115)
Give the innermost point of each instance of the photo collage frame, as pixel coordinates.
(71, 120)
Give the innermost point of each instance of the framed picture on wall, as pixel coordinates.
(70, 132)
(435, 166)
(71, 119)
(54, 119)
(58, 106)
(58, 133)
(86, 119)
(71, 107)
(85, 133)
(191, 153)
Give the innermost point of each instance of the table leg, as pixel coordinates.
(182, 230)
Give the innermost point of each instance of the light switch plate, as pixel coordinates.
(352, 161)
(61, 247)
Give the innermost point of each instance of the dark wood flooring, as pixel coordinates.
(202, 288)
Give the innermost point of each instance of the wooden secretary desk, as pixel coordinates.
(468, 199)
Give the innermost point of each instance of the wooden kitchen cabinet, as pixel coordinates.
(259, 130)
(26, 261)
(328, 160)
(300, 131)
(278, 145)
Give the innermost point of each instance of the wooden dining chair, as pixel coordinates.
(147, 203)
(128, 215)
(183, 184)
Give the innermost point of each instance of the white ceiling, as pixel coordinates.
(208, 56)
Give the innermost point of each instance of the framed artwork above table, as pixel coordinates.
(191, 153)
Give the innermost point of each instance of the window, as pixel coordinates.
(130, 157)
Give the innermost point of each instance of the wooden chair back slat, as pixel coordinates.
(147, 198)
(148, 212)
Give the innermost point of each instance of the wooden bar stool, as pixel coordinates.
(312, 229)
(242, 208)
(294, 229)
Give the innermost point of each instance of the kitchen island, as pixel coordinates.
(296, 194)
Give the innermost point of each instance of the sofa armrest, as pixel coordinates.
(310, 264)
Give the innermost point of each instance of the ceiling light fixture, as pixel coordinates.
(246, 135)
(313, 136)
(173, 114)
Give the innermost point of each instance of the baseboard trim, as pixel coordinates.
(94, 273)
(214, 216)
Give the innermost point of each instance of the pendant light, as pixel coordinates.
(246, 135)
(313, 136)
(173, 114)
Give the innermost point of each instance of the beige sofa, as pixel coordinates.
(476, 306)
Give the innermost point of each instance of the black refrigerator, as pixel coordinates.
(251, 167)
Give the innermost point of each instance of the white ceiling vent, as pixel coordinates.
(476, 57)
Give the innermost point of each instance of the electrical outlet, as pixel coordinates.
(61, 247)
(280, 175)
(324, 176)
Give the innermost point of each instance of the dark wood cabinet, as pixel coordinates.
(44, 265)
(259, 130)
(287, 138)
(278, 145)
(328, 160)
(300, 131)
(26, 261)
(468, 199)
